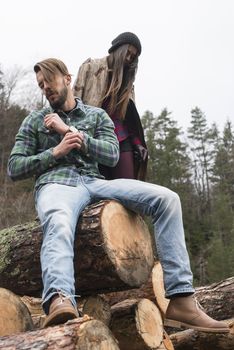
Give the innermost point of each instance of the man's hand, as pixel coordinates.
(140, 153)
(71, 140)
(53, 121)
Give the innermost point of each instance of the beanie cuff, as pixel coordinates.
(126, 38)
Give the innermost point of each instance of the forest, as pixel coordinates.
(197, 163)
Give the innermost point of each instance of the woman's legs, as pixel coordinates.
(124, 168)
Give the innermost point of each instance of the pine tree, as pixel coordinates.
(202, 145)
(221, 257)
(168, 161)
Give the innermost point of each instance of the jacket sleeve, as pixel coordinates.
(81, 79)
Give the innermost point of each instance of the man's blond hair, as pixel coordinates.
(51, 67)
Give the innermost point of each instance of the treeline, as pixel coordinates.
(201, 171)
(198, 164)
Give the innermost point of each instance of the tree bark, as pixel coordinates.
(113, 251)
(191, 339)
(78, 334)
(218, 299)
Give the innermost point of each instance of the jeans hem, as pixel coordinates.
(180, 291)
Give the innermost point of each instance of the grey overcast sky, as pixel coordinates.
(187, 55)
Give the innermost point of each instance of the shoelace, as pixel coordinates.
(63, 296)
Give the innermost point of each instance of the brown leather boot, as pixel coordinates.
(187, 312)
(61, 310)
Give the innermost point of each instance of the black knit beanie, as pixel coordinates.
(126, 38)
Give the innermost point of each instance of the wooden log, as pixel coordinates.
(34, 306)
(153, 290)
(138, 325)
(97, 308)
(113, 251)
(145, 291)
(150, 290)
(78, 334)
(218, 299)
(167, 343)
(158, 288)
(14, 315)
(191, 339)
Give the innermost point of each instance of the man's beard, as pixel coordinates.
(59, 102)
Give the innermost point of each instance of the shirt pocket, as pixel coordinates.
(88, 128)
(47, 138)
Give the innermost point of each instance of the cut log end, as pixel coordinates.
(128, 243)
(149, 323)
(95, 335)
(14, 314)
(158, 287)
(137, 325)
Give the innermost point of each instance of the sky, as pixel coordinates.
(187, 57)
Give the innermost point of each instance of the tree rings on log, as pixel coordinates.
(14, 314)
(137, 324)
(120, 254)
(158, 287)
(149, 323)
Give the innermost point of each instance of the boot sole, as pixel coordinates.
(178, 324)
(60, 317)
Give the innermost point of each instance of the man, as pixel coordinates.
(108, 83)
(61, 146)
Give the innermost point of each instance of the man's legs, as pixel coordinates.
(58, 208)
(164, 208)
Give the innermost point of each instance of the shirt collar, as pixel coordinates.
(80, 107)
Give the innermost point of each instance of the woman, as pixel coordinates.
(108, 83)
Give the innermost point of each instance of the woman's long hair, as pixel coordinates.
(120, 83)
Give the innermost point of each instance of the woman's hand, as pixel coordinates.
(140, 152)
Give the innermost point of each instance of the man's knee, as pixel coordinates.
(168, 198)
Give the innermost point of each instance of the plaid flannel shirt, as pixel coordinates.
(32, 154)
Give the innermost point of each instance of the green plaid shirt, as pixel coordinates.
(32, 154)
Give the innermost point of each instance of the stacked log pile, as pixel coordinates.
(119, 283)
(113, 251)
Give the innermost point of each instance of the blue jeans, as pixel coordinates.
(59, 207)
